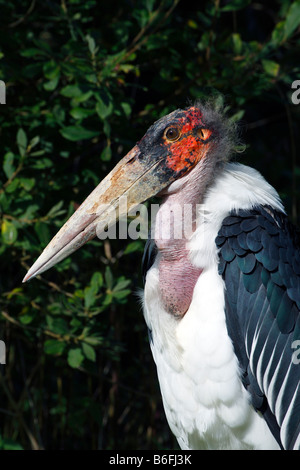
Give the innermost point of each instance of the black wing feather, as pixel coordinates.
(259, 256)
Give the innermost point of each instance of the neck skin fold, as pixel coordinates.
(174, 225)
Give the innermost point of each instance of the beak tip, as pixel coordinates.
(27, 277)
(31, 273)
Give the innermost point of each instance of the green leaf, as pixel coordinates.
(5, 201)
(106, 129)
(88, 351)
(38, 153)
(89, 297)
(54, 347)
(9, 444)
(55, 209)
(270, 67)
(75, 133)
(121, 294)
(8, 167)
(71, 91)
(27, 318)
(75, 358)
(90, 293)
(34, 142)
(32, 52)
(57, 325)
(11, 187)
(237, 116)
(43, 232)
(109, 278)
(9, 232)
(51, 70)
(235, 5)
(59, 114)
(81, 113)
(292, 19)
(106, 154)
(51, 84)
(42, 163)
(126, 108)
(27, 183)
(278, 33)
(150, 5)
(104, 107)
(81, 98)
(137, 245)
(92, 340)
(97, 280)
(237, 43)
(121, 285)
(91, 44)
(75, 322)
(22, 142)
(30, 212)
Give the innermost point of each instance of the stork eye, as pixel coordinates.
(200, 133)
(172, 134)
(204, 134)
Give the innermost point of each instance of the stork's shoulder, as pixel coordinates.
(235, 187)
(238, 186)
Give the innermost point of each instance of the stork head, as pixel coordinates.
(170, 151)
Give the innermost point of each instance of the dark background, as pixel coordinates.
(84, 81)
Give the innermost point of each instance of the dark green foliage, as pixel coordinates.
(84, 81)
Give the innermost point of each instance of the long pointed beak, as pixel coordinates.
(133, 177)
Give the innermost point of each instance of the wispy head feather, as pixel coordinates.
(227, 141)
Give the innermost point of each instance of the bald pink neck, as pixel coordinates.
(177, 275)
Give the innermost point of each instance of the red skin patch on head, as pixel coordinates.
(184, 153)
(187, 151)
(193, 118)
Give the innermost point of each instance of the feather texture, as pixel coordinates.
(263, 311)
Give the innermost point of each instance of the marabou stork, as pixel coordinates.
(222, 303)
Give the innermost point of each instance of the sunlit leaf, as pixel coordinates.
(9, 232)
(270, 67)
